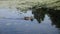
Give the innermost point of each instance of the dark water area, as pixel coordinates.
(35, 21)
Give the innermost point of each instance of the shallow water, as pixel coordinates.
(43, 22)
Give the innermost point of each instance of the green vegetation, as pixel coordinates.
(27, 4)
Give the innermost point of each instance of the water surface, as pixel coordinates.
(44, 22)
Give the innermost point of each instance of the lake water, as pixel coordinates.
(43, 22)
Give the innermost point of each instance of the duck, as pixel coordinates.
(28, 18)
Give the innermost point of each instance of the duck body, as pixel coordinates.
(28, 18)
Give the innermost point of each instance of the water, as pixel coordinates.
(43, 22)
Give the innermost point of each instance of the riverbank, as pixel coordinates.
(27, 4)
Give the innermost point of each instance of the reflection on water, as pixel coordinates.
(54, 15)
(37, 21)
(39, 14)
